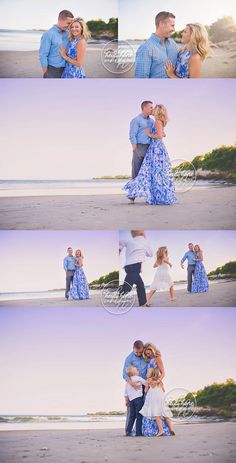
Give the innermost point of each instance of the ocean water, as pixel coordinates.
(17, 40)
(14, 188)
(18, 296)
(14, 40)
(28, 295)
(80, 422)
(46, 422)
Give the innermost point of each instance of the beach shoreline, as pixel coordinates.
(222, 294)
(196, 442)
(214, 209)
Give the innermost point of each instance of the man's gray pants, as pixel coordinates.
(53, 73)
(191, 269)
(69, 281)
(138, 157)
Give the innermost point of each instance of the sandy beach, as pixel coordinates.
(222, 294)
(202, 209)
(215, 442)
(219, 64)
(54, 302)
(26, 64)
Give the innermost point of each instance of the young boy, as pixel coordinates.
(137, 249)
(135, 399)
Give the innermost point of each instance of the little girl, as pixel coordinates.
(154, 405)
(162, 279)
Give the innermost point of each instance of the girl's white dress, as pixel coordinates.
(155, 405)
(162, 278)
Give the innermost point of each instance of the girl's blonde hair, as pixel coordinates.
(152, 348)
(197, 246)
(160, 254)
(160, 113)
(79, 251)
(84, 29)
(199, 41)
(155, 373)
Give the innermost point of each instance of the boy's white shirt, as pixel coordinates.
(132, 393)
(137, 249)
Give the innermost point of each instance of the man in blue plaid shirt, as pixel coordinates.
(152, 55)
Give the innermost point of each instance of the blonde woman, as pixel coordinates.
(155, 368)
(190, 58)
(75, 53)
(79, 290)
(155, 180)
(200, 281)
(162, 278)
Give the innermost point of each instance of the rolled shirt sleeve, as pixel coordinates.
(184, 258)
(133, 131)
(128, 362)
(65, 263)
(143, 62)
(44, 49)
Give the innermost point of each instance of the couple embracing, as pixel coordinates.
(152, 176)
(63, 48)
(143, 372)
(76, 282)
(158, 57)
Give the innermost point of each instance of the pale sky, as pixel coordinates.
(218, 248)
(66, 361)
(28, 14)
(33, 260)
(137, 18)
(63, 130)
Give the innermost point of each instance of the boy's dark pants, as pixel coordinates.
(133, 278)
(135, 406)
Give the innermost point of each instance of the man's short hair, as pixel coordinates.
(69, 248)
(138, 344)
(190, 244)
(162, 16)
(145, 103)
(65, 14)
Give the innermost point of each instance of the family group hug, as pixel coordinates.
(76, 282)
(137, 249)
(63, 48)
(152, 175)
(143, 372)
(158, 57)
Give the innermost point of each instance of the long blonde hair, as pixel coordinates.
(160, 254)
(79, 251)
(160, 114)
(199, 41)
(153, 349)
(84, 29)
(199, 249)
